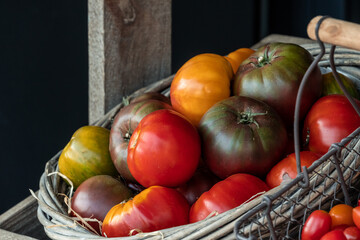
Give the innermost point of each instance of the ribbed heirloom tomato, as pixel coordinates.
(226, 194)
(153, 209)
(329, 120)
(164, 149)
(200, 83)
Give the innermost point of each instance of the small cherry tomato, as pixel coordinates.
(356, 216)
(352, 233)
(317, 224)
(341, 214)
(334, 235)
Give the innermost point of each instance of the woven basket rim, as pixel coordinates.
(51, 210)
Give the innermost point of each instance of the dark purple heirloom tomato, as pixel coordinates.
(122, 128)
(273, 74)
(242, 135)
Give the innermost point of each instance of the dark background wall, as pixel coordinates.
(44, 66)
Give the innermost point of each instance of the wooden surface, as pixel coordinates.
(336, 32)
(6, 235)
(129, 47)
(22, 219)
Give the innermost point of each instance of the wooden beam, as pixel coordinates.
(129, 48)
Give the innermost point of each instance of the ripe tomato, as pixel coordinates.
(125, 122)
(334, 235)
(226, 194)
(240, 134)
(356, 216)
(341, 214)
(316, 225)
(153, 209)
(164, 149)
(329, 120)
(200, 83)
(352, 233)
(86, 155)
(96, 196)
(238, 56)
(273, 74)
(287, 166)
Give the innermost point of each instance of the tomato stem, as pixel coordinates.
(248, 117)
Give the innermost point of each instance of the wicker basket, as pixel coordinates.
(286, 212)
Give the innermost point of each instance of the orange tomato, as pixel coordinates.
(341, 214)
(238, 56)
(200, 83)
(356, 216)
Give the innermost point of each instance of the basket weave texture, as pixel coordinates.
(287, 211)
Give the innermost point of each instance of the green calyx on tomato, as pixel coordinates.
(248, 117)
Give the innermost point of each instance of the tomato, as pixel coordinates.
(330, 85)
(352, 233)
(341, 214)
(238, 56)
(356, 216)
(199, 183)
(153, 209)
(329, 120)
(316, 225)
(287, 167)
(226, 194)
(96, 196)
(334, 235)
(164, 149)
(200, 83)
(125, 122)
(86, 155)
(239, 134)
(273, 74)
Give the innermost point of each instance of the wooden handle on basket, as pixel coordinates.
(336, 32)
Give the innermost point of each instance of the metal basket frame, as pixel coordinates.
(262, 222)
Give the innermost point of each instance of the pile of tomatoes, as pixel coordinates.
(223, 137)
(342, 222)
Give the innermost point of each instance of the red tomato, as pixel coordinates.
(334, 235)
(287, 167)
(164, 149)
(317, 224)
(352, 233)
(356, 216)
(341, 214)
(153, 209)
(329, 120)
(226, 194)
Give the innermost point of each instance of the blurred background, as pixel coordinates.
(44, 66)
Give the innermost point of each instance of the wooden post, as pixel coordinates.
(129, 48)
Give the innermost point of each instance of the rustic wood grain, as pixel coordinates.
(6, 235)
(22, 219)
(129, 48)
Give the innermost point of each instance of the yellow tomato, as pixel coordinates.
(200, 83)
(238, 56)
(86, 155)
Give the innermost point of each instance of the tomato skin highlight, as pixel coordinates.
(200, 83)
(316, 225)
(352, 233)
(329, 120)
(341, 214)
(223, 196)
(153, 209)
(164, 149)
